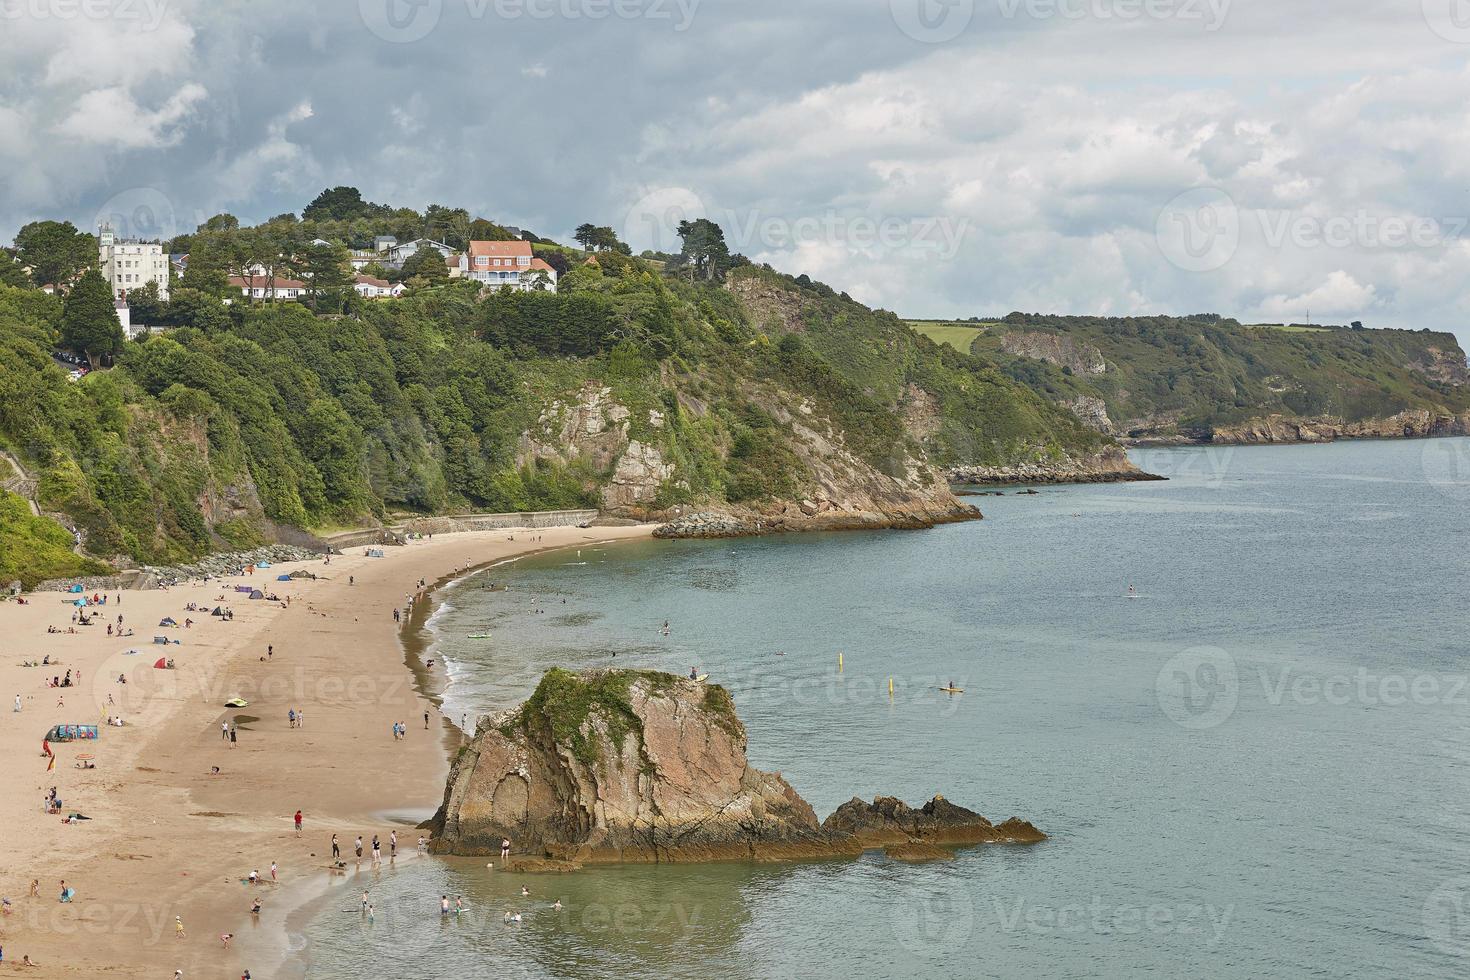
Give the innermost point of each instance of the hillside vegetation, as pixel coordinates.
(716, 384)
(1191, 377)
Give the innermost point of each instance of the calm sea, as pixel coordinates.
(1255, 764)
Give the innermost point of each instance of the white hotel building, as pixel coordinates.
(129, 265)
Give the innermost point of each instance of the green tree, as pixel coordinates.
(12, 273)
(147, 307)
(327, 272)
(705, 252)
(340, 204)
(89, 324)
(426, 265)
(55, 251)
(586, 235)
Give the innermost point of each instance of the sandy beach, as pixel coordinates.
(168, 836)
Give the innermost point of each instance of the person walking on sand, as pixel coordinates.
(273, 872)
(224, 731)
(359, 847)
(336, 849)
(234, 736)
(298, 823)
(17, 708)
(179, 927)
(377, 850)
(392, 844)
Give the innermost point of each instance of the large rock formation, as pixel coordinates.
(1055, 348)
(639, 766)
(1111, 465)
(1411, 424)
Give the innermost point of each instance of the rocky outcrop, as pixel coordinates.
(1443, 366)
(638, 766)
(1111, 465)
(1093, 413)
(636, 480)
(1055, 348)
(1412, 424)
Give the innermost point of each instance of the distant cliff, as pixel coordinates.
(1209, 379)
(639, 766)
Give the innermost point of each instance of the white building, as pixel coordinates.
(369, 288)
(129, 265)
(506, 264)
(262, 287)
(395, 255)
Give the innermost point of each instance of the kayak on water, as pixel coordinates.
(953, 690)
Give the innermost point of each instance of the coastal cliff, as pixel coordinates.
(1412, 424)
(1112, 465)
(640, 766)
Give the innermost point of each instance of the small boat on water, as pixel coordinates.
(953, 690)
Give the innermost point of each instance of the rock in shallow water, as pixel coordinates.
(640, 766)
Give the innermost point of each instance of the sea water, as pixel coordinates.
(1235, 701)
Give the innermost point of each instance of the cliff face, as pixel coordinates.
(636, 766)
(1413, 424)
(1058, 349)
(1109, 466)
(634, 451)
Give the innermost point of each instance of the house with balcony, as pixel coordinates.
(506, 265)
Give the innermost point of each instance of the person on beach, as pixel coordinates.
(178, 927)
(17, 707)
(224, 731)
(392, 844)
(504, 848)
(255, 908)
(364, 901)
(377, 850)
(291, 718)
(443, 904)
(273, 872)
(359, 847)
(225, 938)
(336, 850)
(254, 877)
(298, 823)
(270, 651)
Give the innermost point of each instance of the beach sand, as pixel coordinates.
(168, 838)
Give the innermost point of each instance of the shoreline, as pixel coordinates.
(161, 819)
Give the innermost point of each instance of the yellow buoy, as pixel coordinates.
(839, 663)
(890, 687)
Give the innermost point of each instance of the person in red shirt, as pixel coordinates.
(298, 823)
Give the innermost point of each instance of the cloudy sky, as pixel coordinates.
(1269, 159)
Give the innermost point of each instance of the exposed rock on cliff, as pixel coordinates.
(1416, 423)
(1055, 348)
(638, 766)
(1112, 465)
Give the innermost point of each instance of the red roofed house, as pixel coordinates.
(501, 264)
